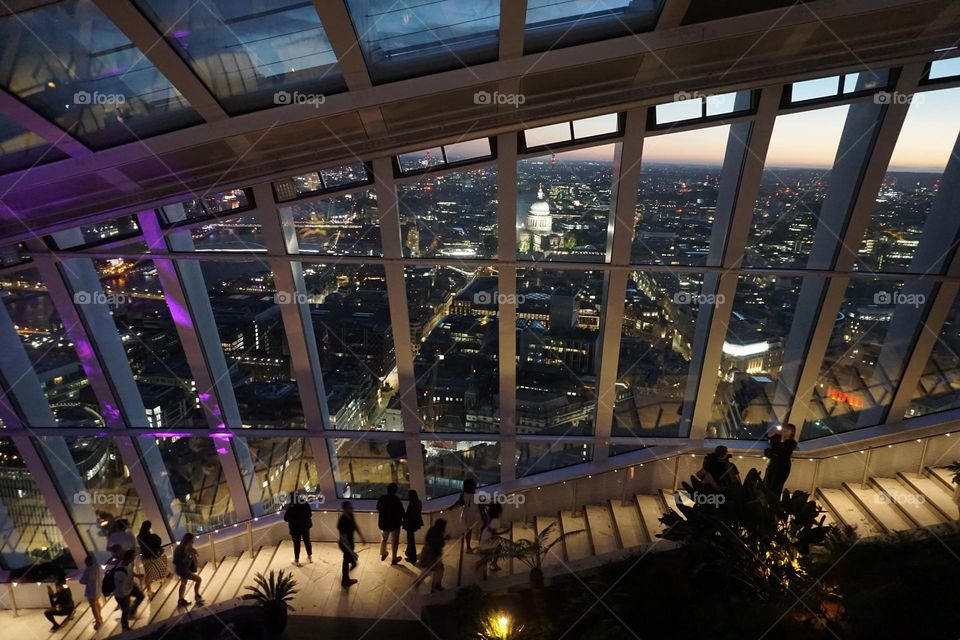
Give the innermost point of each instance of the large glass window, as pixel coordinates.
(363, 467)
(538, 457)
(453, 215)
(20, 148)
(796, 178)
(149, 336)
(750, 396)
(871, 339)
(247, 312)
(901, 216)
(95, 485)
(447, 464)
(30, 535)
(551, 24)
(558, 350)
(242, 234)
(251, 54)
(188, 478)
(563, 206)
(347, 225)
(455, 334)
(656, 347)
(351, 320)
(677, 196)
(272, 468)
(939, 386)
(50, 350)
(115, 95)
(406, 38)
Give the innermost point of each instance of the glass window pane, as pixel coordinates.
(79, 70)
(30, 534)
(448, 464)
(363, 467)
(351, 322)
(795, 182)
(551, 24)
(14, 254)
(945, 68)
(453, 215)
(537, 457)
(812, 89)
(246, 309)
(867, 351)
(901, 217)
(939, 386)
(455, 333)
(563, 206)
(189, 481)
(677, 196)
(721, 104)
(104, 231)
(656, 346)
(95, 485)
(347, 225)
(417, 160)
(209, 205)
(596, 126)
(272, 468)
(251, 54)
(548, 134)
(558, 357)
(20, 148)
(750, 397)
(462, 151)
(50, 350)
(407, 38)
(684, 109)
(850, 82)
(353, 173)
(239, 234)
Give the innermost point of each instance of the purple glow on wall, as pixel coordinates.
(165, 434)
(221, 436)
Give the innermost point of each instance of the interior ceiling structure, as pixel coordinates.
(686, 44)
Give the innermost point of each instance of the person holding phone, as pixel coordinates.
(781, 443)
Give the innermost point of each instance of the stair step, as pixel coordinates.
(943, 476)
(630, 529)
(169, 607)
(238, 578)
(829, 518)
(651, 510)
(520, 531)
(555, 556)
(600, 525)
(82, 618)
(576, 546)
(211, 590)
(167, 591)
(848, 512)
(911, 503)
(934, 493)
(878, 506)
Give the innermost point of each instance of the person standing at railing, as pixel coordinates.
(389, 520)
(781, 445)
(412, 522)
(299, 519)
(347, 527)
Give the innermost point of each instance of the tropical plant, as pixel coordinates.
(274, 593)
(955, 470)
(747, 539)
(530, 552)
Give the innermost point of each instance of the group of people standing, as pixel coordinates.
(718, 472)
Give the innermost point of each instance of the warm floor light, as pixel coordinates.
(499, 626)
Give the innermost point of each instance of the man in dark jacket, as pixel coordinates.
(61, 604)
(390, 519)
(298, 517)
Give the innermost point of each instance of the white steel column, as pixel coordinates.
(507, 302)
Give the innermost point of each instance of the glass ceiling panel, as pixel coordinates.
(252, 54)
(72, 65)
(939, 386)
(407, 38)
(20, 148)
(552, 24)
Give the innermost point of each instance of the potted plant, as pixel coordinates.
(274, 593)
(530, 552)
